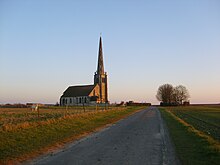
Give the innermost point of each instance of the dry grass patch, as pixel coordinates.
(23, 141)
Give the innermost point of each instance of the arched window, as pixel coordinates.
(80, 100)
(70, 100)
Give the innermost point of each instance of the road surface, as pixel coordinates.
(139, 139)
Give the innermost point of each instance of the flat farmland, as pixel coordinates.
(203, 118)
(25, 134)
(195, 132)
(14, 118)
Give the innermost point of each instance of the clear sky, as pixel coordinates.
(47, 45)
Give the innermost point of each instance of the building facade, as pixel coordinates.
(89, 94)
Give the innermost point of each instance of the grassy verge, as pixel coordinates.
(191, 147)
(20, 144)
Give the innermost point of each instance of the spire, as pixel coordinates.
(100, 68)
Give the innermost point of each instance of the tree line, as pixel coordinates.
(169, 95)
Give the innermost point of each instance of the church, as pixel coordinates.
(89, 94)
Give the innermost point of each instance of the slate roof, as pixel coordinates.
(74, 91)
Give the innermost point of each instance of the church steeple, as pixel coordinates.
(100, 68)
(100, 77)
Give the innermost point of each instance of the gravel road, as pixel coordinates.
(139, 139)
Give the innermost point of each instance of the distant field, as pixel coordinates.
(13, 118)
(24, 134)
(195, 131)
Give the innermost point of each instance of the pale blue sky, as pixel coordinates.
(47, 45)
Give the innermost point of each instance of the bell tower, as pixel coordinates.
(100, 76)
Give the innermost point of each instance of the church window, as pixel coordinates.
(80, 100)
(70, 100)
(85, 100)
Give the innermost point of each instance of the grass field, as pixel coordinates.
(23, 134)
(195, 131)
(14, 118)
(203, 118)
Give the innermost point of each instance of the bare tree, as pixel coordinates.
(170, 95)
(165, 94)
(180, 94)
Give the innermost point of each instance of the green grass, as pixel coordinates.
(203, 118)
(191, 148)
(20, 143)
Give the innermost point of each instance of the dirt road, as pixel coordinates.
(139, 139)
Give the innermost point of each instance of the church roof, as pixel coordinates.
(74, 91)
